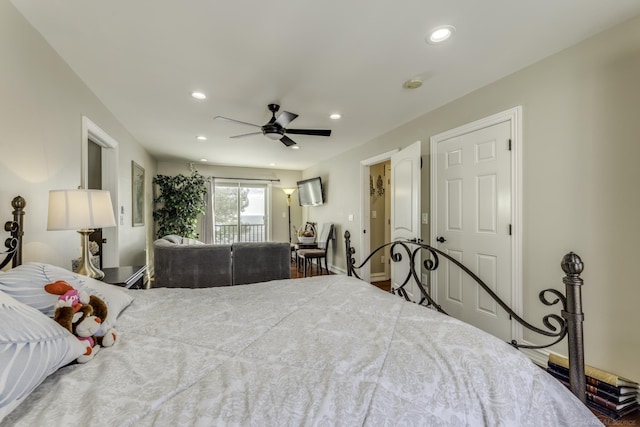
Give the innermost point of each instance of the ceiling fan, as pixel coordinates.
(276, 128)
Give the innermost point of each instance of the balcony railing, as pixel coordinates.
(226, 234)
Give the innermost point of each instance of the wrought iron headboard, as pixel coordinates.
(568, 323)
(16, 230)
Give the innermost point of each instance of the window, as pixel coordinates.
(241, 212)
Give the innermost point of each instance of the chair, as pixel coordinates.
(308, 255)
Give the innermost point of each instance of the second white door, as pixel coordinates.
(473, 185)
(405, 211)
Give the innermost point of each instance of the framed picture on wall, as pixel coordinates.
(137, 194)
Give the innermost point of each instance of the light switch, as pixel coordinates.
(350, 217)
(425, 218)
(374, 214)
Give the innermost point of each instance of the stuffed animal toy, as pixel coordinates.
(81, 315)
(68, 295)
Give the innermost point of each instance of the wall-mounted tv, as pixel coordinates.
(310, 192)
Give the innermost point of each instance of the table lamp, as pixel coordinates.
(83, 211)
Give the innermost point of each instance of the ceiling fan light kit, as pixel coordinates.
(276, 128)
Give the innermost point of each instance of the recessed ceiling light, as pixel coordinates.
(295, 147)
(440, 34)
(198, 95)
(272, 164)
(203, 160)
(335, 116)
(201, 138)
(412, 84)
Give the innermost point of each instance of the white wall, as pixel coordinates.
(287, 179)
(42, 102)
(581, 149)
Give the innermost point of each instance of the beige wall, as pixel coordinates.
(581, 148)
(287, 179)
(42, 102)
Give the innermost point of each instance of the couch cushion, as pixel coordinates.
(261, 261)
(191, 265)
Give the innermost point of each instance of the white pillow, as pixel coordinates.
(26, 284)
(32, 347)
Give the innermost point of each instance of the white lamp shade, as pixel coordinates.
(288, 191)
(80, 210)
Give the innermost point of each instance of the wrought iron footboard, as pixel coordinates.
(568, 323)
(16, 231)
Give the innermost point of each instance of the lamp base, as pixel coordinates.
(86, 268)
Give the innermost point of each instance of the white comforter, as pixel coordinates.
(326, 350)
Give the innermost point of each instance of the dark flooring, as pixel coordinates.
(315, 271)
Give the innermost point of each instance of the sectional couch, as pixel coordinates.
(188, 263)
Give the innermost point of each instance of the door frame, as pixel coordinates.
(238, 183)
(409, 228)
(514, 116)
(365, 208)
(109, 182)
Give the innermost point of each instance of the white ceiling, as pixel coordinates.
(143, 58)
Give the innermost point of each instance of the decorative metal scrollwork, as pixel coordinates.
(569, 323)
(555, 326)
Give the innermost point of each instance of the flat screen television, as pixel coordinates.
(310, 192)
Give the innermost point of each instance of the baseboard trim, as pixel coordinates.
(537, 355)
(337, 270)
(378, 277)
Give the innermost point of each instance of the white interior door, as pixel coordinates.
(474, 215)
(405, 211)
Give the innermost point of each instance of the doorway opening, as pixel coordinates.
(99, 170)
(241, 212)
(367, 180)
(380, 217)
(94, 182)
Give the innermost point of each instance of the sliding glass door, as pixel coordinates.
(241, 212)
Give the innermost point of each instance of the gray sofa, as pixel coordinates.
(188, 263)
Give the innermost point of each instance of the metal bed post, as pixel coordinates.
(15, 228)
(572, 266)
(349, 252)
(18, 203)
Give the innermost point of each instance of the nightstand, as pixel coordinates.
(128, 276)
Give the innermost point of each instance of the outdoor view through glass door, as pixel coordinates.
(240, 212)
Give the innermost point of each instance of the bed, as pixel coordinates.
(328, 350)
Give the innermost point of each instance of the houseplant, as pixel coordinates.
(179, 202)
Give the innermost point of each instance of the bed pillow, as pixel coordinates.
(32, 347)
(26, 284)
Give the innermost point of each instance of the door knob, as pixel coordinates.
(441, 239)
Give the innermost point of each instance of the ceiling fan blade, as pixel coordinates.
(285, 118)
(234, 121)
(315, 132)
(246, 134)
(287, 141)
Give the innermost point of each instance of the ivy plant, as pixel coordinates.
(179, 202)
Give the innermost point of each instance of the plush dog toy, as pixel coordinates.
(81, 315)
